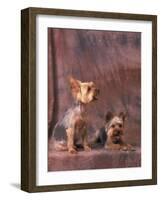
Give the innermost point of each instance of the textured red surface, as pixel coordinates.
(98, 158)
(110, 59)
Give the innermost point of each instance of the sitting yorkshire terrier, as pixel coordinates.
(75, 119)
(111, 135)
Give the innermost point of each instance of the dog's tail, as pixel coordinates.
(60, 145)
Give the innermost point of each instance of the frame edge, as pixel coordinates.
(24, 99)
(154, 99)
(87, 13)
(28, 100)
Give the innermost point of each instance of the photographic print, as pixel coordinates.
(94, 99)
(89, 99)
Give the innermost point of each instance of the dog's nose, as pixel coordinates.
(117, 133)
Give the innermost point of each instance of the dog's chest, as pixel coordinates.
(80, 119)
(75, 117)
(80, 129)
(80, 123)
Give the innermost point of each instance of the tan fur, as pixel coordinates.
(83, 92)
(115, 131)
(76, 120)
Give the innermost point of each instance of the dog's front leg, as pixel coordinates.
(127, 147)
(70, 140)
(84, 139)
(109, 145)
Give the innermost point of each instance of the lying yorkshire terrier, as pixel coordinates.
(111, 135)
(75, 119)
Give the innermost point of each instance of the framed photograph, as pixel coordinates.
(89, 99)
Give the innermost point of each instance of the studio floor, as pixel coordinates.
(97, 158)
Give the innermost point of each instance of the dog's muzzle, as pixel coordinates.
(117, 133)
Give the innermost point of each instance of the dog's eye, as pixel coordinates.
(120, 125)
(113, 126)
(89, 89)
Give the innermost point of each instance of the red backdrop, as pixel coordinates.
(110, 59)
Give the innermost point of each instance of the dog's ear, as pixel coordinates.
(74, 85)
(109, 116)
(123, 115)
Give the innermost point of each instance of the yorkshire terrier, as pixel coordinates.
(75, 119)
(111, 135)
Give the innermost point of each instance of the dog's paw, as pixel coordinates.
(114, 147)
(72, 150)
(87, 148)
(127, 147)
(124, 148)
(131, 148)
(107, 147)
